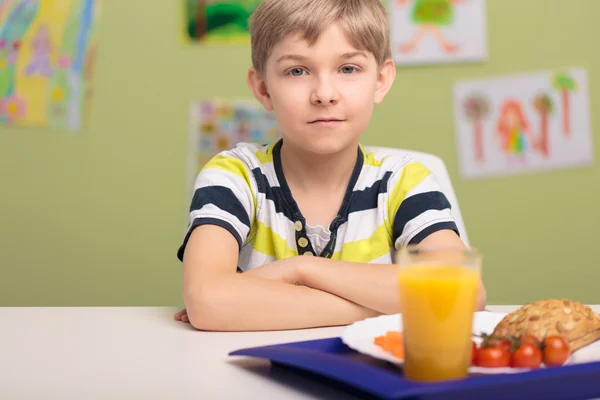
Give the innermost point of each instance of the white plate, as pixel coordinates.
(359, 336)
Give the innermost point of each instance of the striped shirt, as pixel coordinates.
(391, 201)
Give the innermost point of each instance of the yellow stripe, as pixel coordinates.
(412, 174)
(232, 165)
(369, 158)
(270, 243)
(366, 250)
(266, 156)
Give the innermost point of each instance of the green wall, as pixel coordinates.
(95, 218)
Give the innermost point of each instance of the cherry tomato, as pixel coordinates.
(556, 350)
(474, 350)
(529, 338)
(501, 342)
(493, 357)
(527, 355)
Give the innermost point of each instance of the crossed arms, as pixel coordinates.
(294, 293)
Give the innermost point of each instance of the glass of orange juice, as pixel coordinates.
(438, 297)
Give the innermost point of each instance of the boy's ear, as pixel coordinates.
(259, 88)
(385, 79)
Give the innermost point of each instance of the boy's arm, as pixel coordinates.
(217, 298)
(372, 285)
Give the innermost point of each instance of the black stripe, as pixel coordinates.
(416, 205)
(223, 198)
(275, 194)
(367, 199)
(433, 228)
(207, 221)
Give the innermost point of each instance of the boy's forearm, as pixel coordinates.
(247, 303)
(374, 286)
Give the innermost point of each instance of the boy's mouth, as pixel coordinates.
(326, 121)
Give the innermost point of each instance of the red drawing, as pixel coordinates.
(544, 106)
(513, 130)
(564, 83)
(430, 16)
(476, 109)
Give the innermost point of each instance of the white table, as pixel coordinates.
(142, 353)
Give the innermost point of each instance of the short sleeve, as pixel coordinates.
(223, 196)
(417, 206)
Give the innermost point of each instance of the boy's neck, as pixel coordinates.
(310, 172)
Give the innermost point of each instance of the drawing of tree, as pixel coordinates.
(476, 109)
(544, 106)
(565, 84)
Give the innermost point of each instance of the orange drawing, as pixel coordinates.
(564, 83)
(430, 16)
(513, 130)
(476, 109)
(544, 106)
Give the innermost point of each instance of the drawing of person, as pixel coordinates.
(513, 131)
(431, 15)
(42, 49)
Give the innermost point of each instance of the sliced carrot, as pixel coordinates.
(398, 352)
(392, 342)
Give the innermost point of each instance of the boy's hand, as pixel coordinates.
(182, 316)
(285, 270)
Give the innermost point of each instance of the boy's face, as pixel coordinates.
(322, 95)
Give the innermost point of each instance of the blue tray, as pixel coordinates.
(332, 360)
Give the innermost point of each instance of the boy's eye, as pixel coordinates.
(296, 72)
(348, 69)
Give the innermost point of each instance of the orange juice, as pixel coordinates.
(438, 303)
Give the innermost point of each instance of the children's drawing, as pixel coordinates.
(437, 31)
(46, 52)
(514, 132)
(476, 110)
(565, 84)
(523, 123)
(544, 107)
(217, 21)
(218, 125)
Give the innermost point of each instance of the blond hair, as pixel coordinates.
(364, 22)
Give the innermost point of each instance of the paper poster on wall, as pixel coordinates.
(437, 31)
(219, 124)
(523, 123)
(47, 51)
(217, 21)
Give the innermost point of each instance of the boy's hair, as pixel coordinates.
(364, 22)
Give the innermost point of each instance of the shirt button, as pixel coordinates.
(298, 225)
(308, 253)
(303, 242)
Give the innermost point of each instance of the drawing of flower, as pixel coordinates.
(565, 84)
(12, 108)
(544, 106)
(476, 109)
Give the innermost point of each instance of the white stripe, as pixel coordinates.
(366, 222)
(370, 174)
(250, 259)
(212, 211)
(219, 177)
(429, 184)
(424, 220)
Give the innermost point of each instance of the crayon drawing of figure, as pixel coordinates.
(513, 131)
(431, 16)
(42, 49)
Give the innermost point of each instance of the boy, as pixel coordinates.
(321, 66)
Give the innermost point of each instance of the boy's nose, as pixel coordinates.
(324, 94)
